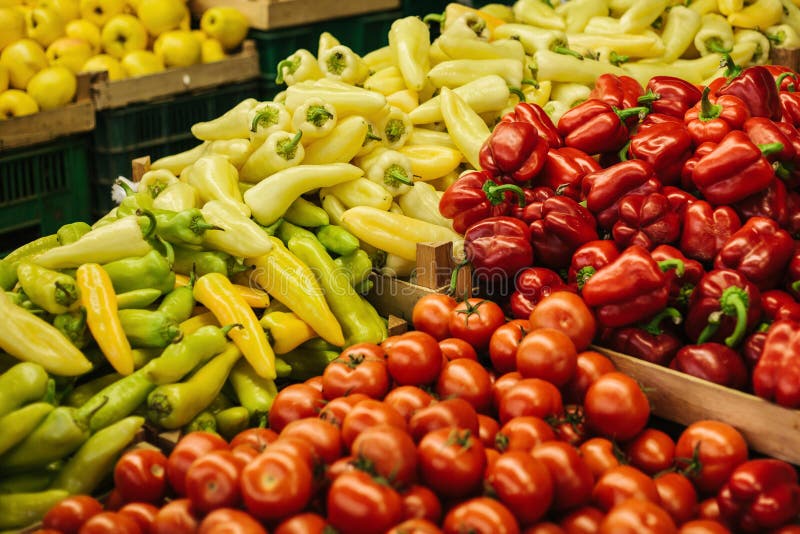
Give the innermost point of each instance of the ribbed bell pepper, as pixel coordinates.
(646, 220)
(651, 342)
(706, 229)
(713, 362)
(772, 203)
(514, 149)
(756, 87)
(678, 198)
(534, 200)
(777, 304)
(564, 226)
(564, 169)
(537, 117)
(666, 146)
(712, 120)
(604, 189)
(680, 287)
(532, 285)
(476, 196)
(596, 127)
(777, 374)
(630, 289)
(671, 95)
(619, 91)
(498, 248)
(588, 259)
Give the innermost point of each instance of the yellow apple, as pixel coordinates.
(141, 63)
(211, 50)
(200, 35)
(104, 62)
(16, 103)
(160, 16)
(10, 3)
(53, 87)
(86, 31)
(100, 11)
(226, 24)
(12, 26)
(177, 48)
(69, 52)
(68, 9)
(23, 59)
(44, 25)
(3, 78)
(123, 34)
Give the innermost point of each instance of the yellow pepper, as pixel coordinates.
(341, 63)
(279, 151)
(332, 206)
(409, 40)
(422, 202)
(236, 150)
(760, 40)
(271, 117)
(441, 184)
(555, 109)
(466, 127)
(499, 11)
(576, 13)
(532, 38)
(298, 67)
(217, 293)
(457, 72)
(715, 35)
(488, 93)
(681, 26)
(457, 47)
(429, 162)
(315, 118)
(691, 70)
(701, 7)
(538, 13)
(346, 100)
(380, 58)
(561, 68)
(233, 124)
(361, 192)
(641, 15)
(395, 126)
(193, 324)
(601, 25)
(783, 36)
(175, 163)
(426, 136)
(726, 7)
(791, 14)
(455, 11)
(176, 197)
(570, 94)
(538, 94)
(100, 302)
(405, 100)
(389, 169)
(154, 181)
(372, 140)
(645, 44)
(325, 43)
(386, 81)
(341, 145)
(286, 330)
(759, 14)
(238, 235)
(215, 178)
(255, 298)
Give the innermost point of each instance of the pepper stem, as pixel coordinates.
(674, 263)
(708, 110)
(228, 327)
(454, 276)
(623, 152)
(318, 115)
(289, 64)
(287, 147)
(732, 70)
(438, 18)
(567, 52)
(648, 98)
(714, 44)
(394, 130)
(265, 117)
(795, 285)
(618, 59)
(65, 294)
(623, 114)
(495, 193)
(779, 81)
(396, 173)
(125, 187)
(583, 275)
(654, 326)
(530, 81)
(199, 225)
(149, 230)
(518, 92)
(770, 148)
(711, 328)
(169, 250)
(734, 302)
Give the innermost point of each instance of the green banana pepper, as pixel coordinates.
(73, 326)
(134, 202)
(21, 422)
(51, 290)
(337, 240)
(116, 401)
(178, 359)
(231, 421)
(253, 391)
(33, 248)
(357, 265)
(71, 232)
(307, 363)
(205, 261)
(151, 271)
(185, 227)
(28, 482)
(148, 328)
(23, 383)
(205, 421)
(81, 394)
(137, 298)
(8, 275)
(305, 213)
(19, 510)
(178, 304)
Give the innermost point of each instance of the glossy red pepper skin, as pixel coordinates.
(514, 149)
(564, 169)
(776, 377)
(785, 78)
(706, 229)
(604, 189)
(793, 207)
(792, 278)
(678, 199)
(620, 92)
(472, 197)
(687, 183)
(564, 226)
(590, 258)
(498, 248)
(595, 127)
(760, 250)
(647, 221)
(789, 170)
(733, 171)
(713, 362)
(772, 203)
(777, 304)
(762, 131)
(752, 348)
(756, 87)
(760, 495)
(534, 198)
(680, 287)
(628, 290)
(658, 348)
(674, 95)
(537, 117)
(713, 118)
(725, 298)
(666, 146)
(790, 107)
(531, 286)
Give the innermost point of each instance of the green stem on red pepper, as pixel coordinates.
(734, 303)
(654, 325)
(584, 274)
(779, 81)
(678, 265)
(495, 193)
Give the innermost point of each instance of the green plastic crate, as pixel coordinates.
(362, 33)
(152, 129)
(42, 188)
(276, 45)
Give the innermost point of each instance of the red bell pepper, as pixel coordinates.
(713, 362)
(534, 198)
(514, 149)
(760, 495)
(652, 342)
(666, 146)
(621, 92)
(588, 259)
(757, 89)
(498, 248)
(700, 152)
(564, 169)
(760, 250)
(475, 196)
(706, 229)
(646, 220)
(537, 117)
(753, 346)
(595, 127)
(711, 120)
(785, 78)
(772, 203)
(790, 107)
(673, 96)
(604, 189)
(564, 226)
(678, 199)
(628, 290)
(793, 208)
(786, 161)
(789, 170)
(776, 377)
(735, 169)
(724, 306)
(792, 282)
(532, 285)
(680, 287)
(777, 305)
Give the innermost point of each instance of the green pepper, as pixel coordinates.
(144, 355)
(337, 240)
(116, 401)
(178, 359)
(357, 265)
(19, 423)
(8, 275)
(172, 406)
(137, 298)
(71, 232)
(305, 213)
(185, 227)
(18, 510)
(231, 421)
(148, 328)
(134, 202)
(318, 343)
(23, 383)
(205, 421)
(205, 261)
(28, 482)
(282, 369)
(51, 290)
(81, 394)
(73, 326)
(253, 391)
(151, 271)
(178, 304)
(33, 248)
(95, 460)
(220, 402)
(307, 363)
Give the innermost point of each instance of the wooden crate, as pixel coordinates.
(236, 68)
(44, 126)
(271, 14)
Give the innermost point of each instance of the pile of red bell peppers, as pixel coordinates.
(672, 209)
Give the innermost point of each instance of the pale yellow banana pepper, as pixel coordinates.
(175, 163)
(641, 15)
(538, 94)
(315, 118)
(760, 14)
(405, 100)
(538, 13)
(386, 81)
(372, 139)
(466, 127)
(680, 27)
(236, 150)
(488, 93)
(563, 68)
(341, 63)
(298, 67)
(457, 72)
(533, 38)
(286, 330)
(332, 205)
(426, 137)
(233, 124)
(603, 25)
(760, 40)
(176, 197)
(346, 100)
(272, 117)
(380, 58)
(791, 14)
(214, 178)
(341, 145)
(281, 150)
(570, 94)
(360, 192)
(395, 126)
(388, 168)
(458, 47)
(726, 7)
(409, 40)
(429, 162)
(422, 202)
(326, 42)
(692, 70)
(715, 35)
(645, 44)
(576, 13)
(701, 7)
(555, 109)
(239, 235)
(783, 36)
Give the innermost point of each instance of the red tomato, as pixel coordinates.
(621, 483)
(572, 479)
(175, 517)
(488, 427)
(258, 438)
(366, 414)
(504, 342)
(570, 427)
(444, 414)
(474, 320)
(480, 515)
(297, 447)
(678, 496)
(719, 449)
(324, 437)
(468, 380)
(523, 484)
(315, 382)
(502, 384)
(415, 526)
(453, 348)
(652, 451)
(566, 311)
(190, 447)
(419, 502)
(110, 523)
(431, 314)
(334, 410)
(583, 520)
(113, 500)
(230, 521)
(305, 523)
(276, 484)
(141, 475)
(548, 354)
(708, 509)
(359, 369)
(389, 451)
(246, 453)
(588, 368)
(70, 513)
(143, 513)
(708, 526)
(600, 454)
(357, 504)
(544, 528)
(637, 517)
(451, 462)
(342, 465)
(530, 396)
(616, 407)
(213, 480)
(523, 433)
(407, 400)
(293, 402)
(414, 359)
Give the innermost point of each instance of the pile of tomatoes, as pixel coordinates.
(469, 423)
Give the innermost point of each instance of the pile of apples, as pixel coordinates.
(44, 44)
